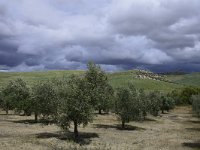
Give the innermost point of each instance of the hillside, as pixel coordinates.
(141, 79)
(192, 79)
(32, 77)
(123, 78)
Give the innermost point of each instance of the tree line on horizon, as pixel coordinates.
(74, 99)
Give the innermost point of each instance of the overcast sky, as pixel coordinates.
(158, 35)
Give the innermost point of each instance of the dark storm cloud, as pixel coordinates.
(171, 40)
(148, 34)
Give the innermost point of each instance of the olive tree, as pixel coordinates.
(186, 94)
(144, 104)
(167, 103)
(100, 91)
(196, 104)
(76, 106)
(176, 95)
(104, 98)
(5, 102)
(124, 105)
(128, 105)
(154, 103)
(44, 100)
(17, 95)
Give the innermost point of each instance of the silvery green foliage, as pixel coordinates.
(167, 103)
(124, 105)
(154, 103)
(5, 103)
(44, 99)
(16, 94)
(76, 106)
(101, 93)
(130, 104)
(143, 104)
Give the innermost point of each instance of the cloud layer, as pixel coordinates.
(158, 35)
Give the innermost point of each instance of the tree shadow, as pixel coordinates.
(26, 121)
(32, 121)
(83, 139)
(7, 114)
(193, 129)
(118, 127)
(102, 113)
(192, 145)
(149, 120)
(195, 121)
(164, 113)
(4, 136)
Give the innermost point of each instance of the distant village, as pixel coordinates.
(143, 74)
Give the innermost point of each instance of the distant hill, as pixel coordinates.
(173, 73)
(141, 79)
(147, 81)
(192, 79)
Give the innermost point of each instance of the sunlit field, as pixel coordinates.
(118, 79)
(178, 129)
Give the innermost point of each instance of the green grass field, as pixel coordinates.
(117, 79)
(192, 79)
(32, 77)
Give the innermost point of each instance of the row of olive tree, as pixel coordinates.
(188, 96)
(133, 104)
(68, 99)
(183, 96)
(73, 100)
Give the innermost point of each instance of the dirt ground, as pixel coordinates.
(177, 130)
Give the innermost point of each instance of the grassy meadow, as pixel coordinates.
(33, 77)
(187, 79)
(116, 79)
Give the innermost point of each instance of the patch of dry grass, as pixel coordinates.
(176, 130)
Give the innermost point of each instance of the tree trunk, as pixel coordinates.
(6, 111)
(100, 111)
(162, 111)
(24, 113)
(76, 130)
(123, 124)
(144, 115)
(36, 117)
(27, 113)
